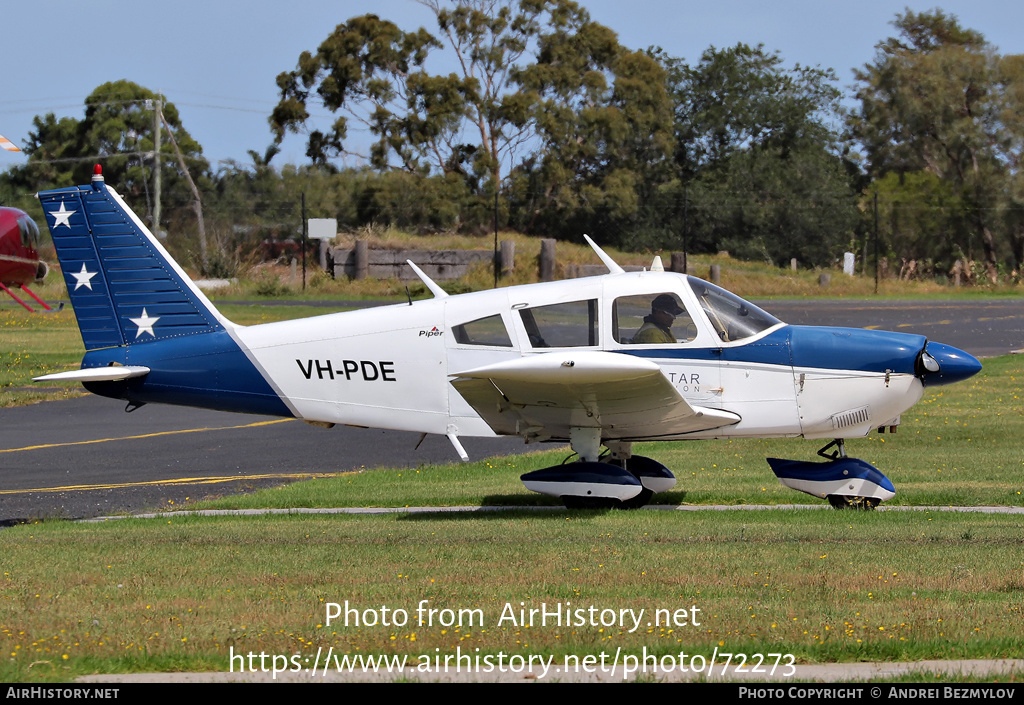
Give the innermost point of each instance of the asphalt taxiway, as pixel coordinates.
(85, 457)
(984, 328)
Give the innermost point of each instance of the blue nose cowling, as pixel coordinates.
(954, 365)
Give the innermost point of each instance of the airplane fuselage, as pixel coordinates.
(391, 366)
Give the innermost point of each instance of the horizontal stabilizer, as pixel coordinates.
(96, 374)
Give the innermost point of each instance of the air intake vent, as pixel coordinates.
(853, 417)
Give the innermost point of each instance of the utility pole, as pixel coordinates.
(305, 226)
(686, 227)
(496, 257)
(157, 132)
(195, 192)
(876, 242)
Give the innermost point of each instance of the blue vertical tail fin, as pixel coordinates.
(124, 286)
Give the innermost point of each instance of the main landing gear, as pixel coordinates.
(616, 480)
(847, 483)
(620, 480)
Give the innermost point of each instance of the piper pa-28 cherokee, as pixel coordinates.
(601, 361)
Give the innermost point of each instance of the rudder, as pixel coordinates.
(124, 286)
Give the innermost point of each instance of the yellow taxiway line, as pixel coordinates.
(186, 481)
(145, 435)
(171, 481)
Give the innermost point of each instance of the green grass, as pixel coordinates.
(180, 592)
(33, 345)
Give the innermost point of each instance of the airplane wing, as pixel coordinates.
(544, 396)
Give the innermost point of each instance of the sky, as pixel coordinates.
(217, 60)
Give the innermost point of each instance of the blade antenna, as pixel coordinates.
(608, 261)
(437, 291)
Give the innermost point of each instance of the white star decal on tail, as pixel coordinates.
(61, 216)
(145, 324)
(84, 278)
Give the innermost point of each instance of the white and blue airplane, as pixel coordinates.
(599, 362)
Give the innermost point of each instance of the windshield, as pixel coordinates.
(29, 232)
(732, 317)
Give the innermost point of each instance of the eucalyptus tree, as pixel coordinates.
(534, 93)
(759, 154)
(939, 99)
(116, 131)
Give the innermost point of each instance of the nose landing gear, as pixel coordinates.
(847, 483)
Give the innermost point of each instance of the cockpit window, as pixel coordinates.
(732, 317)
(483, 331)
(652, 319)
(29, 232)
(572, 324)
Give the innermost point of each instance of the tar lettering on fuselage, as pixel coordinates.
(369, 371)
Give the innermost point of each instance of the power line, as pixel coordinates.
(115, 155)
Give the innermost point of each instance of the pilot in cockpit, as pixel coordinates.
(657, 327)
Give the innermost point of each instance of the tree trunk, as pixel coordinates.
(1017, 247)
(989, 245)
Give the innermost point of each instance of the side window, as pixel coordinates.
(651, 319)
(483, 331)
(572, 324)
